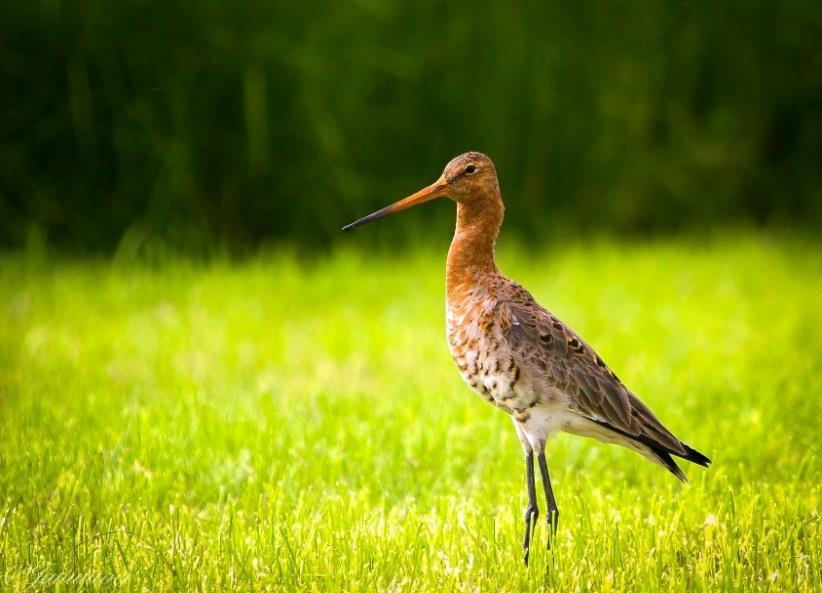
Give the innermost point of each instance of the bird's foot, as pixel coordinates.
(531, 516)
(553, 523)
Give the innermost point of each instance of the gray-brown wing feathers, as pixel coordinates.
(553, 352)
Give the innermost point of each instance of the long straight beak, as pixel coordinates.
(426, 194)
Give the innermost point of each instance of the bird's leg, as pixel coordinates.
(550, 501)
(531, 511)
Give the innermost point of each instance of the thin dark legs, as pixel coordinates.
(550, 502)
(531, 511)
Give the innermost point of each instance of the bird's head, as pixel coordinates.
(465, 178)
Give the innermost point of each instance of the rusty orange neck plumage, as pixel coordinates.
(479, 216)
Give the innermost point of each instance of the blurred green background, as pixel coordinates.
(240, 124)
(287, 422)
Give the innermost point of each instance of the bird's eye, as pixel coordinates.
(470, 169)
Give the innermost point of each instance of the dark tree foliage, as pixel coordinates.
(241, 122)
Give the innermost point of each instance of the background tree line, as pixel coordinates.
(238, 123)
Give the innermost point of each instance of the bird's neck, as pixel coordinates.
(471, 255)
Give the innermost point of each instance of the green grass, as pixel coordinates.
(282, 424)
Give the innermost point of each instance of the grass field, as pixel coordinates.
(297, 425)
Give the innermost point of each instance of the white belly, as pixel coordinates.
(543, 422)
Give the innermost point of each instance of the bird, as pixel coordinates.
(519, 356)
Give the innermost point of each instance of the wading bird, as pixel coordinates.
(520, 357)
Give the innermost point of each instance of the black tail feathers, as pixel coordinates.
(691, 455)
(663, 454)
(695, 456)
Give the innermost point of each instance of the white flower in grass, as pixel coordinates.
(774, 576)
